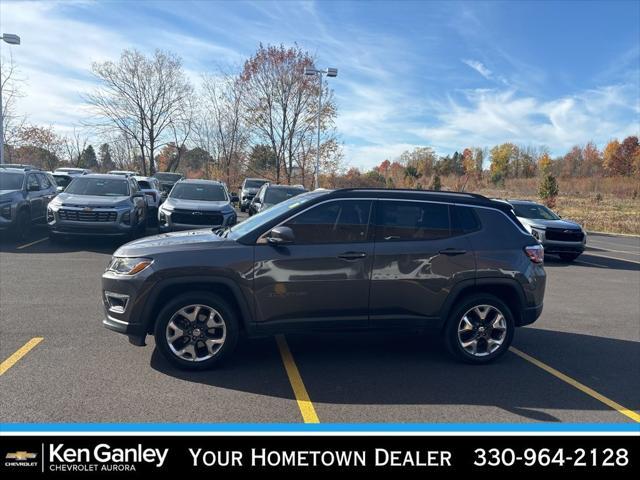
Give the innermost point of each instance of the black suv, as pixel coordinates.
(328, 260)
(25, 193)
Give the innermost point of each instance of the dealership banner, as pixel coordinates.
(53, 456)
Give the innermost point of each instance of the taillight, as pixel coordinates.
(535, 253)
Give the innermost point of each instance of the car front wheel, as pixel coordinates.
(480, 329)
(196, 331)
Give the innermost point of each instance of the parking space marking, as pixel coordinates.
(32, 243)
(582, 262)
(302, 397)
(18, 354)
(597, 255)
(580, 386)
(602, 249)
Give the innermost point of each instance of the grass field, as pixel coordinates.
(598, 204)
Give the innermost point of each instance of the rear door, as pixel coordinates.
(418, 259)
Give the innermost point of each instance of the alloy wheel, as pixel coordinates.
(482, 330)
(196, 333)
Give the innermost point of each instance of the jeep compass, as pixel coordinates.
(458, 263)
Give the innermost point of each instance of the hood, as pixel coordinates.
(250, 190)
(197, 205)
(173, 241)
(543, 224)
(69, 199)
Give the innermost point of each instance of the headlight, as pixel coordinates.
(126, 217)
(537, 233)
(128, 266)
(50, 216)
(5, 211)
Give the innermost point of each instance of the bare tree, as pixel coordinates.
(223, 97)
(281, 103)
(73, 145)
(140, 97)
(10, 83)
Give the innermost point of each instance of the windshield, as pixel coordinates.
(254, 183)
(242, 228)
(198, 191)
(170, 177)
(277, 195)
(98, 186)
(534, 211)
(144, 185)
(11, 181)
(62, 180)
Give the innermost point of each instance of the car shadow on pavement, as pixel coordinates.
(593, 261)
(413, 370)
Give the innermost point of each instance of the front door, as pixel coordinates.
(322, 277)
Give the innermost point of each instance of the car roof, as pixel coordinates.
(199, 181)
(14, 170)
(522, 202)
(464, 198)
(296, 187)
(105, 176)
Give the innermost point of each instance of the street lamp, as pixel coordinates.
(11, 39)
(329, 72)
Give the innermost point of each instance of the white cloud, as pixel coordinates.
(489, 117)
(478, 67)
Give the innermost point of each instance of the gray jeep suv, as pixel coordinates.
(329, 260)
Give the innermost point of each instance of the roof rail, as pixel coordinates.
(413, 190)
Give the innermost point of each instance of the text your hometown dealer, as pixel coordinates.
(104, 453)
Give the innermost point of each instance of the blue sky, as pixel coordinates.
(411, 73)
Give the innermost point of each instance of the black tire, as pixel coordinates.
(453, 342)
(23, 225)
(569, 257)
(242, 209)
(209, 300)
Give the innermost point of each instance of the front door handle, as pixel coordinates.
(352, 255)
(452, 251)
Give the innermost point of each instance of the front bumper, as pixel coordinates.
(8, 223)
(530, 315)
(551, 246)
(123, 299)
(65, 227)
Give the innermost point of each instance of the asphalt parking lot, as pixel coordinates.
(579, 363)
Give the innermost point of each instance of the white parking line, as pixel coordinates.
(582, 262)
(32, 243)
(612, 258)
(612, 251)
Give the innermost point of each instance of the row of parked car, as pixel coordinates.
(75, 201)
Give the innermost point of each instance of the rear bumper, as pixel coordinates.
(530, 315)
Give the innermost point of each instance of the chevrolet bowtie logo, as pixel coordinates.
(20, 455)
(196, 213)
(87, 209)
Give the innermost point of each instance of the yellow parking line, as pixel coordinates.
(32, 243)
(299, 390)
(574, 383)
(18, 354)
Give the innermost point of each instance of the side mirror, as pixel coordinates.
(280, 236)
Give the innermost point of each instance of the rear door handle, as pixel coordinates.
(352, 255)
(452, 251)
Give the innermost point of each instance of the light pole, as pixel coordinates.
(11, 39)
(329, 72)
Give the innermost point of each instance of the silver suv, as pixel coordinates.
(98, 205)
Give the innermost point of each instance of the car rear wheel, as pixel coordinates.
(569, 257)
(480, 329)
(196, 331)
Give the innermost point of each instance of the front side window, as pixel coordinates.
(411, 221)
(343, 221)
(198, 191)
(44, 181)
(32, 183)
(108, 187)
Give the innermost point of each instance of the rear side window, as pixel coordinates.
(411, 221)
(332, 222)
(464, 220)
